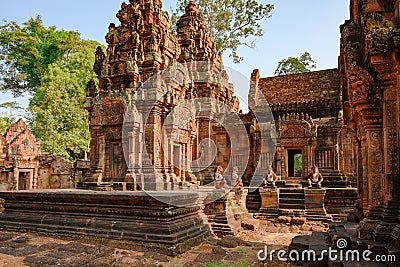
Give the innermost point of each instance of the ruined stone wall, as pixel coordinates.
(369, 66)
(316, 93)
(54, 172)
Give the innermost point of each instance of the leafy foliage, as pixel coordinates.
(58, 115)
(27, 51)
(232, 22)
(5, 122)
(293, 65)
(53, 66)
(298, 162)
(7, 118)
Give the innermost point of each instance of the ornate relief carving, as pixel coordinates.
(361, 82)
(377, 33)
(375, 154)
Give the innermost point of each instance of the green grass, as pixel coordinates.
(241, 250)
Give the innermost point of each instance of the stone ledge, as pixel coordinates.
(127, 217)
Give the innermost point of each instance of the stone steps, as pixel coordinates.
(291, 212)
(291, 199)
(253, 200)
(318, 217)
(333, 178)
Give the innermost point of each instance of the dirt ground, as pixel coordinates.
(28, 249)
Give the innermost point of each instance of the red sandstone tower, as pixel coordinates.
(141, 46)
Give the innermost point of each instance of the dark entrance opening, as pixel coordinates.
(295, 163)
(22, 180)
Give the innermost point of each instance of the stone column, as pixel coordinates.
(35, 178)
(15, 179)
(314, 201)
(391, 142)
(31, 180)
(102, 158)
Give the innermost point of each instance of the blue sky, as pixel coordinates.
(295, 27)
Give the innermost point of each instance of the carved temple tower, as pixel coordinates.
(141, 46)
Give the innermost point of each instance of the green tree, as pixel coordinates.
(293, 65)
(5, 122)
(58, 118)
(7, 118)
(27, 50)
(53, 66)
(233, 23)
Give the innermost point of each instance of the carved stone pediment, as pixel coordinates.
(19, 140)
(295, 126)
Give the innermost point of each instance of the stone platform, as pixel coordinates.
(227, 212)
(133, 219)
(292, 202)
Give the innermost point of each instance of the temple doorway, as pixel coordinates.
(295, 163)
(23, 181)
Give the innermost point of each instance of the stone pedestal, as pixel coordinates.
(125, 219)
(314, 203)
(269, 202)
(340, 201)
(227, 212)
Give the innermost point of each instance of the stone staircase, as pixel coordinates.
(291, 202)
(253, 200)
(291, 198)
(221, 225)
(319, 215)
(293, 182)
(226, 212)
(334, 179)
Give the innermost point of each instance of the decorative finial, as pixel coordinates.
(191, 7)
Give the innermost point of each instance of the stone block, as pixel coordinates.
(132, 219)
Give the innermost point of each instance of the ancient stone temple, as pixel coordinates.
(19, 162)
(24, 167)
(308, 115)
(369, 67)
(141, 46)
(307, 111)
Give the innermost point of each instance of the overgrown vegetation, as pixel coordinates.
(8, 117)
(53, 67)
(233, 23)
(294, 65)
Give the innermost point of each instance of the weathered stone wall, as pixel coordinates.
(370, 71)
(316, 93)
(54, 172)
